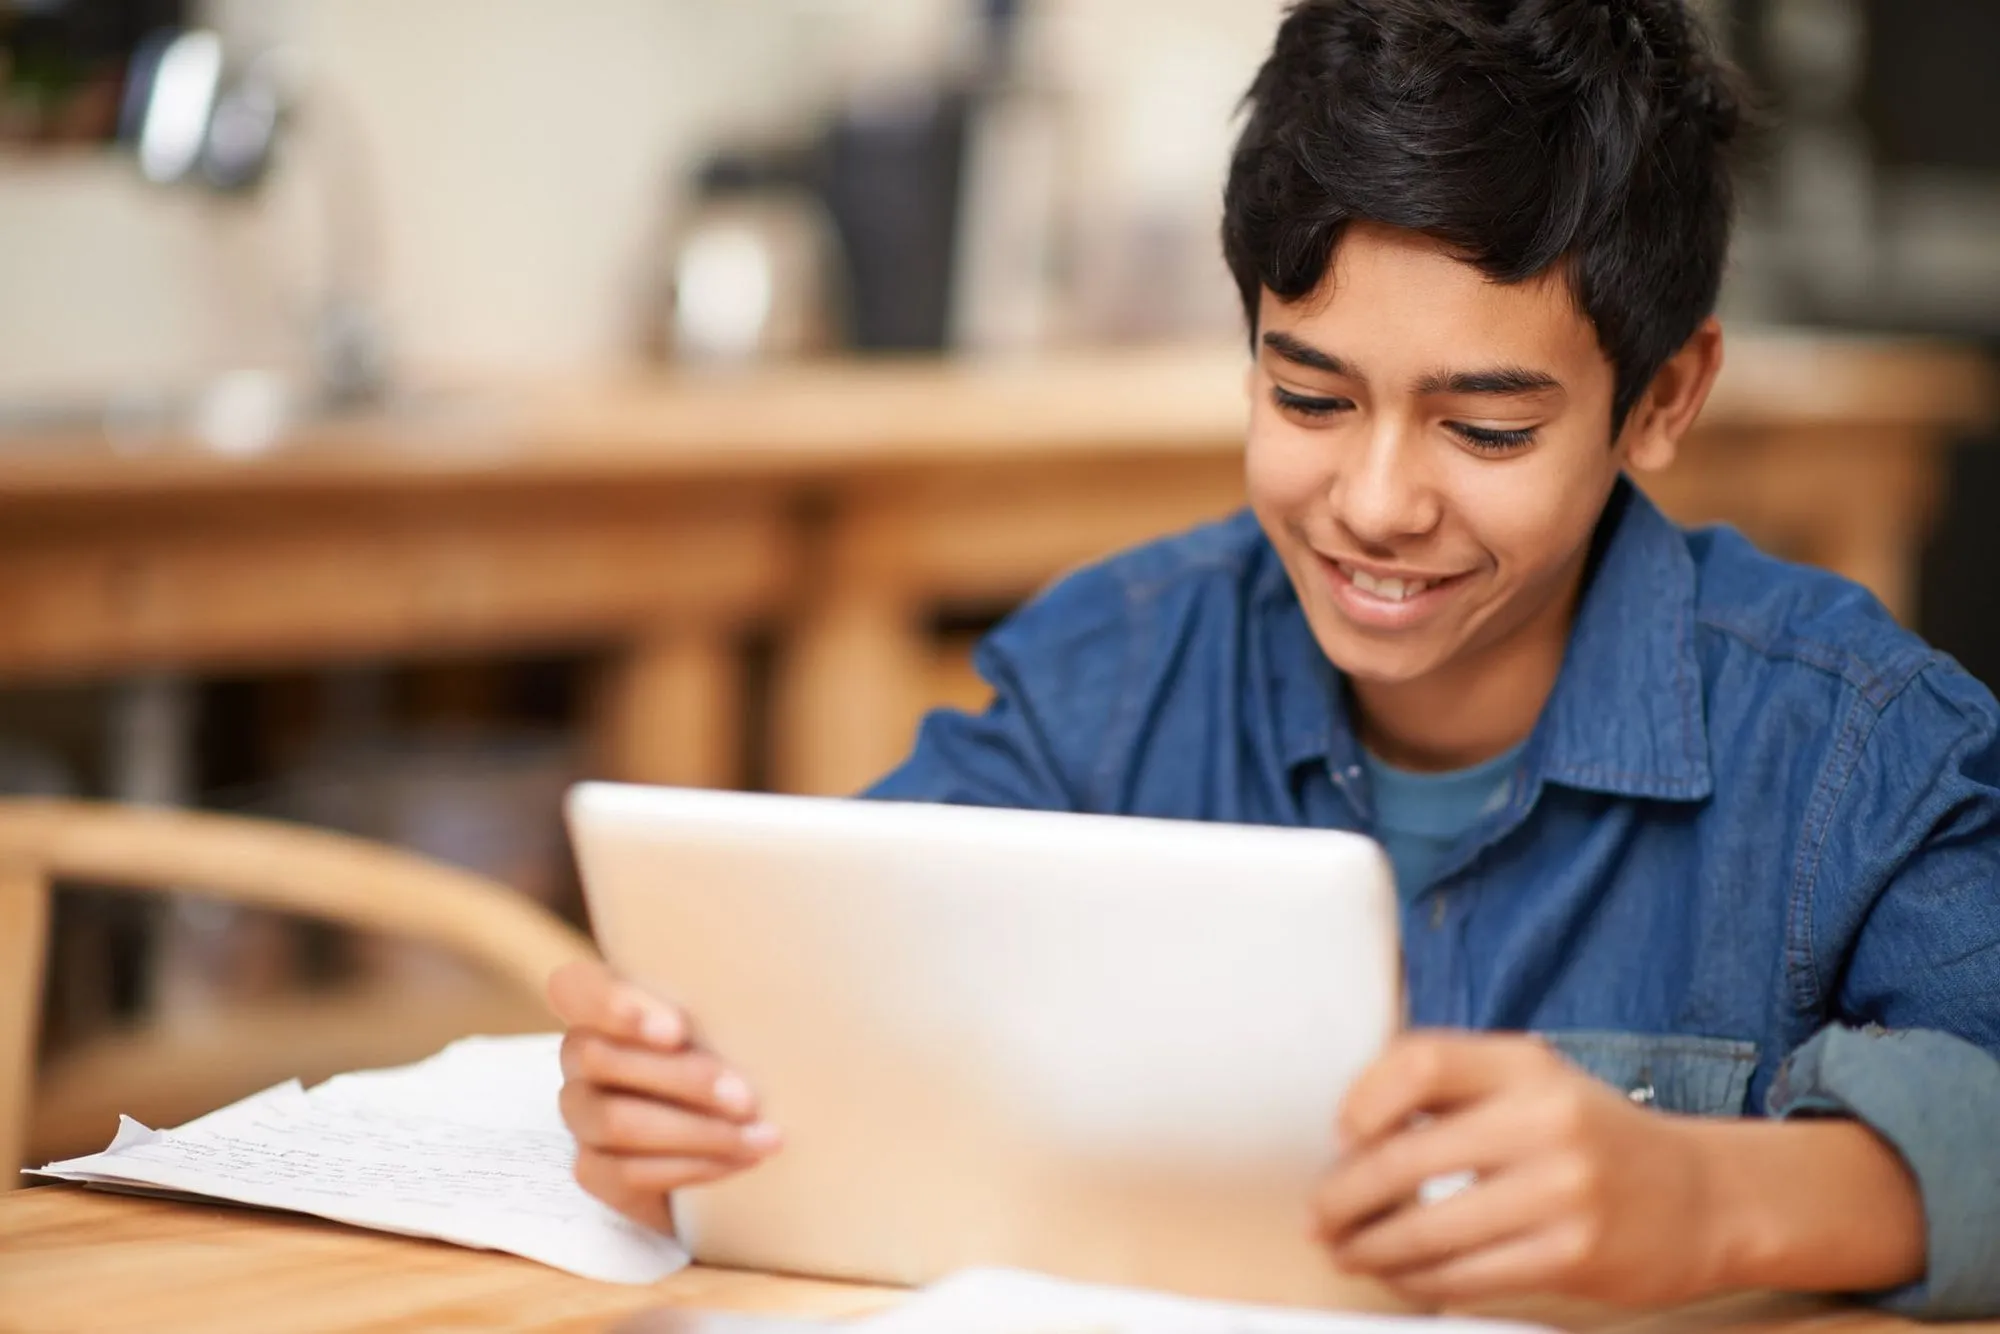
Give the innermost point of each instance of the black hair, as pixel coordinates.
(1522, 134)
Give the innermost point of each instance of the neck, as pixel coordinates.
(1477, 707)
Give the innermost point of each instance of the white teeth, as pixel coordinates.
(1389, 590)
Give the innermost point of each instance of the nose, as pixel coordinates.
(1385, 495)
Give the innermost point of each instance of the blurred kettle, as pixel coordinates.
(752, 267)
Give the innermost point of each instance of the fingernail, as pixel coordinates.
(1438, 1189)
(661, 1026)
(762, 1137)
(732, 1092)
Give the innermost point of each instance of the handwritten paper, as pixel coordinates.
(1001, 1301)
(467, 1147)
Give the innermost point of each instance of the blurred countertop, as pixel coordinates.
(835, 419)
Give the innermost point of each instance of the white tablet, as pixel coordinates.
(1108, 1049)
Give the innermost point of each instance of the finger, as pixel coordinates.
(692, 1078)
(1436, 1071)
(649, 1175)
(587, 994)
(1388, 1173)
(599, 1174)
(1539, 1262)
(616, 1123)
(640, 1188)
(1417, 1237)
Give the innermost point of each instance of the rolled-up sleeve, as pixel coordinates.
(1915, 1050)
(1935, 1099)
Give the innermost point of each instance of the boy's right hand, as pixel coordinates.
(652, 1111)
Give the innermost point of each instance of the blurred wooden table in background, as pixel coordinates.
(848, 508)
(966, 487)
(72, 1261)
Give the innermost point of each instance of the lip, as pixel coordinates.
(1378, 613)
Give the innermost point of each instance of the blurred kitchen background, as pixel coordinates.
(408, 407)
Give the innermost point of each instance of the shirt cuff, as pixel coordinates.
(1935, 1099)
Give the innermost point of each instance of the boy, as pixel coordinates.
(1712, 828)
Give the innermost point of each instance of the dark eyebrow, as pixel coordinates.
(1499, 380)
(1305, 354)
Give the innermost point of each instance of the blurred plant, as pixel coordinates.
(62, 65)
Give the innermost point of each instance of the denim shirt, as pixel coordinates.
(1748, 862)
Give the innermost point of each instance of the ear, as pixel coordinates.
(1668, 408)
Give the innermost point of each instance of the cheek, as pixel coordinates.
(1283, 472)
(1535, 515)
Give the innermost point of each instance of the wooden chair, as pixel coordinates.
(246, 861)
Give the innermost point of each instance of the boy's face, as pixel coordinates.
(1429, 452)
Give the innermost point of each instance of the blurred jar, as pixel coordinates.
(750, 267)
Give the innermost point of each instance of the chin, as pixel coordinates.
(1363, 658)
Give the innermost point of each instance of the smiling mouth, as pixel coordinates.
(1388, 589)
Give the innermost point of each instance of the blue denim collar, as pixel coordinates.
(1626, 713)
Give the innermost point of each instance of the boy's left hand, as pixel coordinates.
(1579, 1191)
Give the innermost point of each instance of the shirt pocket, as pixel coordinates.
(1670, 1071)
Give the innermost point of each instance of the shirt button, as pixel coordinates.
(1645, 1095)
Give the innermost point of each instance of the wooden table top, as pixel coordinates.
(836, 418)
(73, 1259)
(77, 1260)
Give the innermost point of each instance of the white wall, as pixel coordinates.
(106, 283)
(523, 153)
(520, 153)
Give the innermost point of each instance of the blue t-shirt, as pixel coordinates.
(1749, 863)
(1420, 817)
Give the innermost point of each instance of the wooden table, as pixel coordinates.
(71, 1260)
(390, 538)
(841, 505)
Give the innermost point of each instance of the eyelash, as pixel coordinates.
(1489, 441)
(1310, 407)
(1484, 439)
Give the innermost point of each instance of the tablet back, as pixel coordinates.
(1103, 1048)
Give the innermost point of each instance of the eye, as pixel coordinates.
(1490, 440)
(1307, 405)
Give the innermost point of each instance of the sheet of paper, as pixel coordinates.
(512, 1081)
(467, 1147)
(998, 1301)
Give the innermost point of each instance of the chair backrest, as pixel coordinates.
(258, 862)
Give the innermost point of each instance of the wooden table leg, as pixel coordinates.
(864, 664)
(852, 686)
(1878, 538)
(24, 932)
(669, 709)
